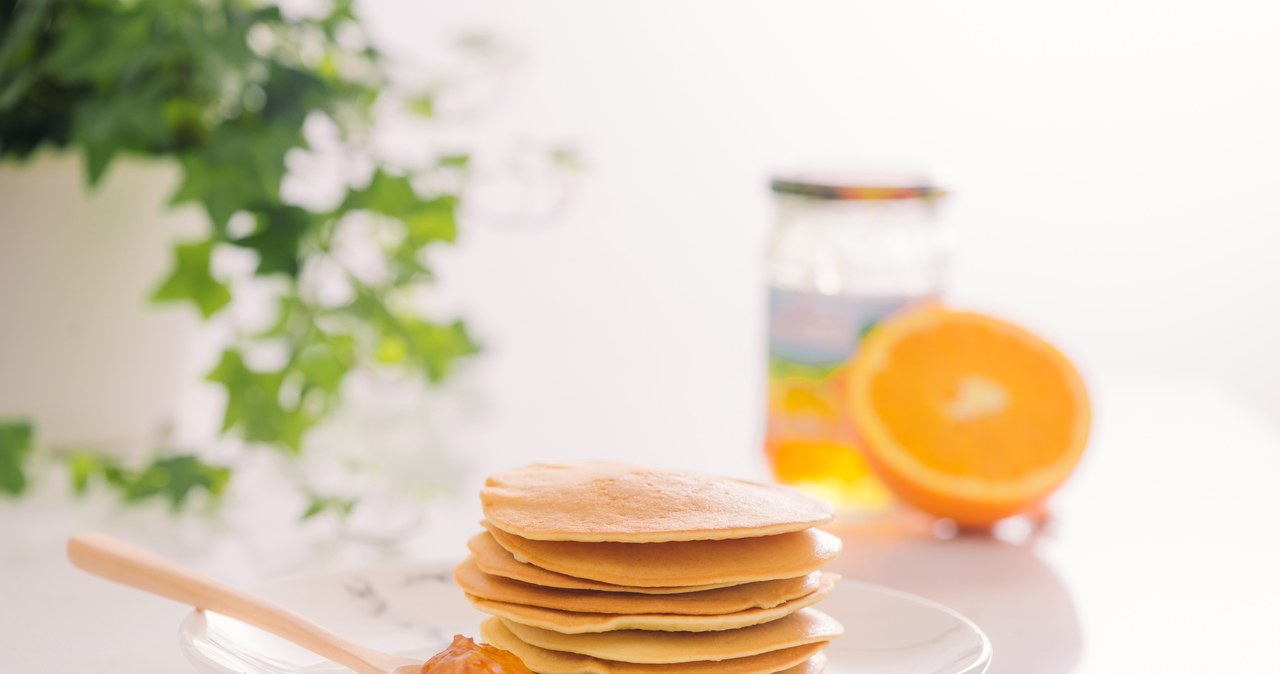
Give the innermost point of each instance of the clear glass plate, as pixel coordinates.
(416, 609)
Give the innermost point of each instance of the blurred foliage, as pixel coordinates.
(172, 478)
(223, 87)
(15, 446)
(322, 504)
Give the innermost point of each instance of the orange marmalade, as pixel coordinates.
(465, 656)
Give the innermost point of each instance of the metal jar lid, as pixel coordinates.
(856, 186)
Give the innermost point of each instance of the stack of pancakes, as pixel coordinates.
(600, 568)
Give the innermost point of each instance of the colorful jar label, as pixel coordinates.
(812, 329)
(809, 441)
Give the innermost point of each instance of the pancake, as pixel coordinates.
(495, 560)
(598, 502)
(814, 665)
(570, 622)
(679, 563)
(807, 626)
(797, 660)
(764, 594)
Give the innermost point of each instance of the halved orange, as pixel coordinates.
(966, 416)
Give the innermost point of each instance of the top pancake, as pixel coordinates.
(598, 502)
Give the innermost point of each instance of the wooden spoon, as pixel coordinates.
(118, 561)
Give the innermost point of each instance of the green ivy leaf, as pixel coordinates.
(17, 49)
(245, 388)
(413, 342)
(172, 478)
(127, 121)
(13, 87)
(239, 168)
(322, 504)
(431, 222)
(287, 314)
(457, 161)
(16, 445)
(24, 21)
(423, 106)
(254, 406)
(426, 220)
(386, 194)
(325, 363)
(277, 239)
(436, 346)
(391, 350)
(293, 93)
(85, 466)
(192, 281)
(175, 477)
(78, 54)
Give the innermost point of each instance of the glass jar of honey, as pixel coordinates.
(847, 251)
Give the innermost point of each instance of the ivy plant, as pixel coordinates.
(223, 89)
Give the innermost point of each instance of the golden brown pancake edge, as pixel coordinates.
(679, 563)
(764, 594)
(572, 622)
(543, 661)
(496, 560)
(805, 626)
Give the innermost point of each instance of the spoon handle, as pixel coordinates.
(117, 561)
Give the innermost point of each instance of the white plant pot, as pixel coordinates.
(82, 352)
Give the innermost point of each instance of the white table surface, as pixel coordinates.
(1159, 557)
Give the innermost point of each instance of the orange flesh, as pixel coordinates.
(465, 656)
(912, 400)
(966, 416)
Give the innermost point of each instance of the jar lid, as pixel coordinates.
(856, 186)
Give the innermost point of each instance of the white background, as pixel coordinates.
(1114, 166)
